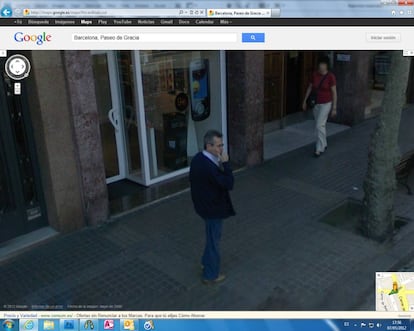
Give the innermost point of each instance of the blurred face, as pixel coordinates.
(216, 148)
(323, 67)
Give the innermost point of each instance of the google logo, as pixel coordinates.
(39, 39)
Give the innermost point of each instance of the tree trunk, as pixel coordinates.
(380, 183)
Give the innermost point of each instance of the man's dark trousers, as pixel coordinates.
(211, 256)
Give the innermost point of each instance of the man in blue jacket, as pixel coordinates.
(211, 180)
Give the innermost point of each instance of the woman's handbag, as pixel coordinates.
(313, 96)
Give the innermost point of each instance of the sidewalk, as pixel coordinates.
(276, 253)
(295, 136)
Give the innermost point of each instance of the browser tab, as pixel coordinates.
(239, 13)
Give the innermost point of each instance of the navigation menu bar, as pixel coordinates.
(208, 21)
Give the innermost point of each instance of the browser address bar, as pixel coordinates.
(156, 37)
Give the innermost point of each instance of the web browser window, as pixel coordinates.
(233, 165)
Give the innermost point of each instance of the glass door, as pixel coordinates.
(110, 114)
(131, 124)
(154, 108)
(118, 115)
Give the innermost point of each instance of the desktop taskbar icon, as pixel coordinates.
(129, 325)
(8, 325)
(89, 325)
(109, 324)
(48, 325)
(149, 325)
(69, 324)
(29, 325)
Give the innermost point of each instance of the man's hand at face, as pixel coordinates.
(224, 157)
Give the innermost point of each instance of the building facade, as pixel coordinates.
(86, 120)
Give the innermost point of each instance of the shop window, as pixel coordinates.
(182, 100)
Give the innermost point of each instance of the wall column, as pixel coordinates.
(353, 86)
(84, 109)
(245, 106)
(52, 127)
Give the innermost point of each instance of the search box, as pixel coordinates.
(156, 37)
(253, 37)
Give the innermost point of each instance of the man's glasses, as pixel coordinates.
(219, 145)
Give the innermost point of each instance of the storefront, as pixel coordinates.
(97, 118)
(154, 108)
(87, 119)
(360, 74)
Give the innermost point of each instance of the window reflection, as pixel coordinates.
(127, 73)
(104, 103)
(182, 100)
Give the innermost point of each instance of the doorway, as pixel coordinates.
(148, 131)
(22, 207)
(274, 80)
(286, 78)
(119, 125)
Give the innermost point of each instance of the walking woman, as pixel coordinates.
(321, 97)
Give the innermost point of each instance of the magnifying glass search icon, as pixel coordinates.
(253, 37)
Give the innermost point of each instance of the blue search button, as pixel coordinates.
(256, 37)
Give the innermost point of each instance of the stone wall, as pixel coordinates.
(245, 102)
(52, 126)
(353, 86)
(66, 127)
(84, 110)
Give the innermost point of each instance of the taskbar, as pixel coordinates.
(161, 322)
